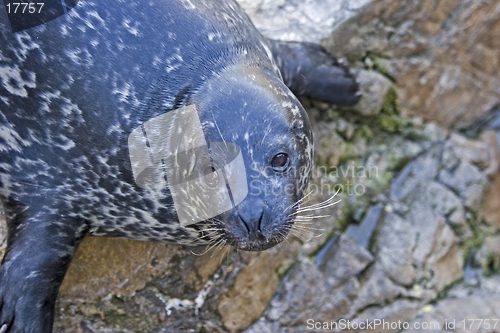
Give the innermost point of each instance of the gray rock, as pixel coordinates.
(393, 246)
(304, 294)
(467, 181)
(478, 308)
(363, 233)
(297, 20)
(388, 318)
(343, 260)
(377, 288)
(443, 202)
(424, 167)
(436, 253)
(374, 87)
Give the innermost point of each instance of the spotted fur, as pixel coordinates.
(73, 89)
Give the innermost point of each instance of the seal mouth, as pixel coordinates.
(256, 245)
(216, 232)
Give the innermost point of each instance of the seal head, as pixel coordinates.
(250, 106)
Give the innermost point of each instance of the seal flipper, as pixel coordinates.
(309, 71)
(39, 251)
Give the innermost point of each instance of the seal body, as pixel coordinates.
(72, 92)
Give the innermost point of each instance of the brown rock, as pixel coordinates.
(103, 266)
(482, 153)
(253, 289)
(446, 258)
(108, 265)
(491, 200)
(444, 55)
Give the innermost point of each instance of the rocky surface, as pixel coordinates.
(416, 237)
(444, 55)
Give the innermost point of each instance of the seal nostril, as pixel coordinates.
(253, 227)
(245, 225)
(259, 226)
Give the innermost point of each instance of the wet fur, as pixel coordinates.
(73, 89)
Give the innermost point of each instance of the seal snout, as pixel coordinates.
(250, 230)
(253, 227)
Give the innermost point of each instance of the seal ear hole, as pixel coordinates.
(280, 162)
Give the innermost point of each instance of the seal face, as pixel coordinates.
(168, 121)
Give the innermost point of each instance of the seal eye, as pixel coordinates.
(211, 177)
(280, 162)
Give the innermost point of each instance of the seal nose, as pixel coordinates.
(251, 215)
(253, 227)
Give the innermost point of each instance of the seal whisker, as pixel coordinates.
(310, 217)
(298, 235)
(154, 162)
(321, 205)
(311, 208)
(306, 228)
(297, 203)
(307, 233)
(317, 206)
(284, 237)
(220, 246)
(209, 246)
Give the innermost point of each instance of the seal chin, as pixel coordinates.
(257, 235)
(254, 242)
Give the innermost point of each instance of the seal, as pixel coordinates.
(169, 121)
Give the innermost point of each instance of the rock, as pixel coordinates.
(264, 326)
(345, 128)
(309, 21)
(362, 233)
(443, 202)
(490, 254)
(374, 88)
(477, 308)
(482, 153)
(253, 289)
(342, 260)
(386, 319)
(420, 245)
(393, 246)
(491, 199)
(424, 167)
(385, 157)
(443, 55)
(304, 294)
(329, 146)
(434, 132)
(377, 288)
(112, 272)
(436, 254)
(326, 290)
(467, 181)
